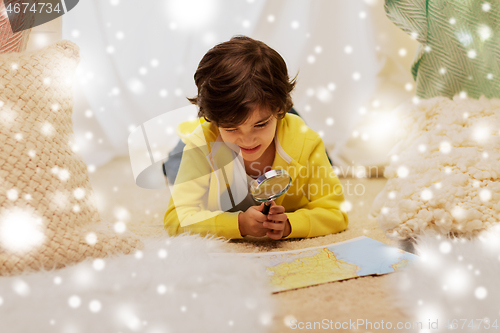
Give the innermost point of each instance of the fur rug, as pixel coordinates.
(454, 282)
(444, 173)
(171, 286)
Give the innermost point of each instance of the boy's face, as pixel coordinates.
(254, 136)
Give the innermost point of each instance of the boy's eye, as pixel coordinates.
(234, 129)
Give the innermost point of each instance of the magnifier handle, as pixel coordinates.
(266, 208)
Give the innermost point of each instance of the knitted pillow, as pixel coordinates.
(13, 42)
(48, 215)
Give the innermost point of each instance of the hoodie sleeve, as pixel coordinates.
(322, 214)
(187, 211)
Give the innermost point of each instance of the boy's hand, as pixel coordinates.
(278, 222)
(251, 222)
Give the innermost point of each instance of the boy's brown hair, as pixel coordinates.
(239, 75)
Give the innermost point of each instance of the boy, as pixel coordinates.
(243, 131)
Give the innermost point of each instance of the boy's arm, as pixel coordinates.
(223, 224)
(322, 215)
(187, 211)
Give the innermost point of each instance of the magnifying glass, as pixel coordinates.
(270, 186)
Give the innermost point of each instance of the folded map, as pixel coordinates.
(356, 257)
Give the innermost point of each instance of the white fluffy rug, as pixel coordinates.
(444, 173)
(455, 281)
(171, 286)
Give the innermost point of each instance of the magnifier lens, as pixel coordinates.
(270, 186)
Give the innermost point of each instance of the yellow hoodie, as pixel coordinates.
(212, 180)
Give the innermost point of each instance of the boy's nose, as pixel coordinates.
(248, 143)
